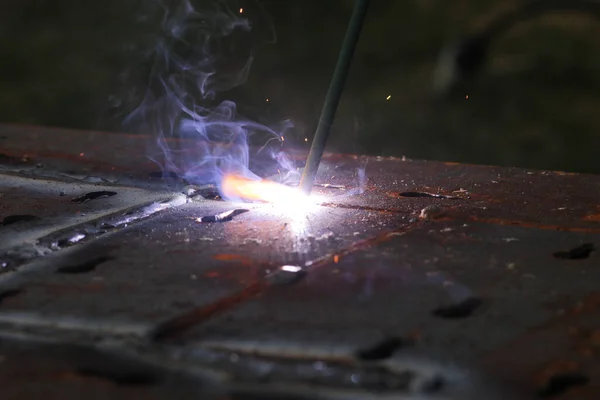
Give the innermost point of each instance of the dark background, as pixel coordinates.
(535, 104)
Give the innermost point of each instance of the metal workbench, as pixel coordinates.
(429, 280)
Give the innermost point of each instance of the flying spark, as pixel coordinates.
(389, 97)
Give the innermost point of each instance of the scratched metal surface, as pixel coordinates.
(480, 297)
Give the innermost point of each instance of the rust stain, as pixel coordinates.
(234, 258)
(595, 338)
(587, 306)
(563, 173)
(526, 224)
(180, 324)
(592, 218)
(579, 343)
(381, 238)
(554, 368)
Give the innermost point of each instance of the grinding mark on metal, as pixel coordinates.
(382, 350)
(121, 378)
(222, 217)
(88, 266)
(330, 186)
(561, 383)
(463, 309)
(426, 194)
(178, 325)
(17, 322)
(55, 241)
(9, 293)
(578, 253)
(93, 195)
(285, 350)
(13, 219)
(363, 208)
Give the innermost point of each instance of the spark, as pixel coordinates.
(267, 100)
(282, 139)
(389, 97)
(81, 154)
(241, 10)
(467, 97)
(306, 139)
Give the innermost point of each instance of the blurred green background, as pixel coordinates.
(535, 104)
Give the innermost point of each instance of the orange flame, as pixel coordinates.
(235, 186)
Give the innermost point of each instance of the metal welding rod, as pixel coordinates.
(333, 95)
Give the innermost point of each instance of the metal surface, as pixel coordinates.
(333, 95)
(426, 281)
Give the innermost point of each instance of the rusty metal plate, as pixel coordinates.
(32, 211)
(451, 291)
(62, 371)
(171, 263)
(407, 265)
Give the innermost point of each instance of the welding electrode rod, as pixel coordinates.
(333, 95)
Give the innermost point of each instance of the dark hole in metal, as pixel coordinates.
(133, 378)
(9, 293)
(434, 385)
(382, 350)
(93, 195)
(464, 309)
(207, 192)
(6, 159)
(578, 253)
(210, 194)
(425, 194)
(224, 216)
(163, 175)
(13, 219)
(560, 383)
(87, 266)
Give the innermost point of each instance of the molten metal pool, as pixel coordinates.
(292, 201)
